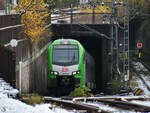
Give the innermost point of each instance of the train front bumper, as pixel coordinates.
(63, 81)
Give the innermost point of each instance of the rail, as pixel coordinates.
(75, 105)
(120, 102)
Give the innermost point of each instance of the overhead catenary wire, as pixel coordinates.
(95, 31)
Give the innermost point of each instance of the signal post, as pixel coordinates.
(139, 47)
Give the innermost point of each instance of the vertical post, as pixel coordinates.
(134, 5)
(20, 75)
(117, 43)
(126, 56)
(112, 49)
(116, 38)
(117, 53)
(113, 38)
(131, 5)
(6, 5)
(93, 16)
(114, 44)
(71, 17)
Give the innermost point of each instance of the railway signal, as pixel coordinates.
(140, 53)
(139, 45)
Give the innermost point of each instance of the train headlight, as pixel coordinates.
(75, 72)
(54, 72)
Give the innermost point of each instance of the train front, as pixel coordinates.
(64, 63)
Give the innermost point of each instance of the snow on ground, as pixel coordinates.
(7, 90)
(60, 110)
(146, 79)
(54, 22)
(54, 15)
(145, 103)
(10, 105)
(67, 20)
(142, 86)
(107, 108)
(144, 74)
(139, 66)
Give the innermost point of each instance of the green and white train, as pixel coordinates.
(69, 65)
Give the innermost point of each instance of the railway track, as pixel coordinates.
(74, 105)
(127, 105)
(123, 103)
(119, 102)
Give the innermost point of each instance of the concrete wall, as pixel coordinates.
(33, 56)
(34, 71)
(34, 65)
(7, 65)
(8, 34)
(5, 37)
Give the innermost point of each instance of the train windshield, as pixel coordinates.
(65, 55)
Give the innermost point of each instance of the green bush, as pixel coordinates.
(115, 87)
(80, 91)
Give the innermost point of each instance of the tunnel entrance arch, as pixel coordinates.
(98, 46)
(7, 65)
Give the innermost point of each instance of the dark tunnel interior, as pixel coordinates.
(96, 45)
(93, 46)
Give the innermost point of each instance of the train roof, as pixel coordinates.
(66, 40)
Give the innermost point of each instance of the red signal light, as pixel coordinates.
(139, 45)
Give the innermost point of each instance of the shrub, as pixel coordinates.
(80, 91)
(115, 87)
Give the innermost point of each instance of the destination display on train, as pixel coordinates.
(65, 47)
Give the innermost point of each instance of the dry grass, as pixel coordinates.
(32, 99)
(133, 83)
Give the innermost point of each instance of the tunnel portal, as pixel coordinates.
(96, 45)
